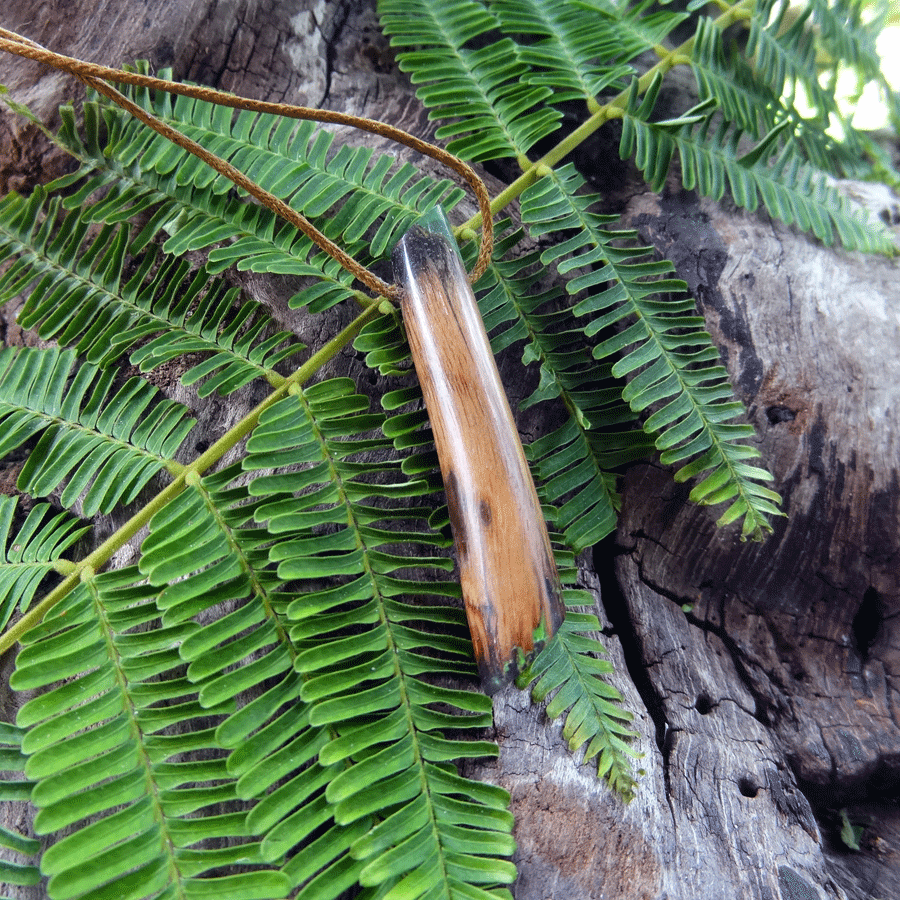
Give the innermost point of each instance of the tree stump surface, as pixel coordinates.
(772, 703)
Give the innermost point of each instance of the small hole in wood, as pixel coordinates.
(778, 414)
(748, 787)
(704, 704)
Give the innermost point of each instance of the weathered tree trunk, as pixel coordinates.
(773, 702)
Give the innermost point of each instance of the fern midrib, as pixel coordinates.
(561, 378)
(360, 187)
(44, 263)
(60, 566)
(797, 67)
(419, 760)
(474, 82)
(578, 416)
(259, 591)
(763, 174)
(710, 69)
(86, 567)
(610, 736)
(685, 390)
(176, 880)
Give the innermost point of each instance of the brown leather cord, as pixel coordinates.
(95, 76)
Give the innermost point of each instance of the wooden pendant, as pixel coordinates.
(509, 580)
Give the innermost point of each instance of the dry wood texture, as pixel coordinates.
(774, 703)
(509, 580)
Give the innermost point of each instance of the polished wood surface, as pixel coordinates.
(509, 580)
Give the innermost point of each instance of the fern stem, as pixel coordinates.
(614, 109)
(86, 567)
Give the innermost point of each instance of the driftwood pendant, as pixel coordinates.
(509, 580)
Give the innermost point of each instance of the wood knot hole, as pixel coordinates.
(747, 786)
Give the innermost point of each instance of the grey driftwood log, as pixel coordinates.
(774, 702)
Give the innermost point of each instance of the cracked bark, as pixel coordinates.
(800, 631)
(773, 703)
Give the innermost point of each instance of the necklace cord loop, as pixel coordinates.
(96, 76)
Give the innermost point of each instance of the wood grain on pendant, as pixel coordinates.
(509, 580)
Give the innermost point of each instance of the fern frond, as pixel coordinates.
(711, 159)
(272, 651)
(784, 55)
(578, 56)
(731, 82)
(107, 447)
(670, 357)
(100, 745)
(32, 554)
(571, 666)
(355, 753)
(842, 32)
(406, 823)
(844, 41)
(210, 561)
(496, 111)
(80, 297)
